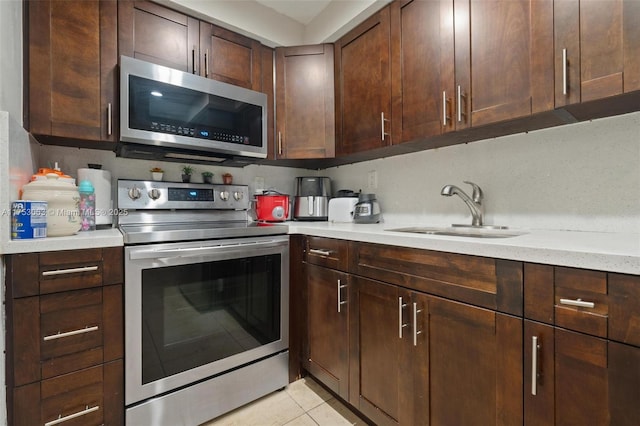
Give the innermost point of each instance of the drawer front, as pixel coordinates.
(70, 270)
(580, 300)
(58, 333)
(70, 323)
(328, 252)
(72, 399)
(490, 283)
(624, 308)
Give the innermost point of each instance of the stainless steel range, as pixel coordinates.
(206, 301)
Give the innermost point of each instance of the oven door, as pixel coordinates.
(195, 310)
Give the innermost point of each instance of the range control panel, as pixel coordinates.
(157, 195)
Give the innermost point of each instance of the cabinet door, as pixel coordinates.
(230, 57)
(597, 46)
(153, 33)
(472, 353)
(504, 60)
(72, 69)
(305, 102)
(422, 68)
(268, 88)
(363, 88)
(327, 324)
(376, 350)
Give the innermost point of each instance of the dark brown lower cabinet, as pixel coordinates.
(420, 359)
(327, 348)
(576, 379)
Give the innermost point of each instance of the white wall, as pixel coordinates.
(584, 176)
(71, 159)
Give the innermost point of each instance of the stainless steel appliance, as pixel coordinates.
(206, 301)
(311, 201)
(170, 115)
(367, 210)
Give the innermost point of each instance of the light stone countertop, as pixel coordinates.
(82, 240)
(613, 252)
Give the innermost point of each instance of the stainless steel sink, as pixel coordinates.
(485, 231)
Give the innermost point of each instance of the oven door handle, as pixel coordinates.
(195, 251)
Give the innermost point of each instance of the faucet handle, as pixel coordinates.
(477, 192)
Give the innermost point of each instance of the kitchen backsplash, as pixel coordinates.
(584, 176)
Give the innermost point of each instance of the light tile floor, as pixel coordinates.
(302, 403)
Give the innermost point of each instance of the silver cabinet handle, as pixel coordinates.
(416, 311)
(70, 333)
(340, 301)
(320, 252)
(535, 348)
(444, 108)
(459, 104)
(109, 120)
(401, 325)
(382, 120)
(69, 271)
(577, 302)
(61, 419)
(564, 71)
(206, 63)
(279, 143)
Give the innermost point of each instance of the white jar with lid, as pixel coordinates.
(63, 215)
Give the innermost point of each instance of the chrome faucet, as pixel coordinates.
(474, 202)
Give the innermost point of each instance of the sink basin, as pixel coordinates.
(487, 231)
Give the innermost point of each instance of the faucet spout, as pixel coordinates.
(474, 204)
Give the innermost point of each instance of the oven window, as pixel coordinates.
(199, 313)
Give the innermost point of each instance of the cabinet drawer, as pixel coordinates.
(327, 252)
(77, 398)
(63, 270)
(593, 302)
(63, 332)
(490, 283)
(580, 300)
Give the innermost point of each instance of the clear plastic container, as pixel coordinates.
(87, 206)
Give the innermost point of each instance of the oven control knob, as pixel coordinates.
(224, 195)
(154, 194)
(134, 193)
(238, 195)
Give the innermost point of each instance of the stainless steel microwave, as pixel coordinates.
(166, 114)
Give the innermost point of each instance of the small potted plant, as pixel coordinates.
(187, 171)
(156, 173)
(207, 177)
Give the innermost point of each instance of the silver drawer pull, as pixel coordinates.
(401, 325)
(70, 333)
(577, 302)
(69, 271)
(340, 301)
(72, 416)
(320, 252)
(535, 348)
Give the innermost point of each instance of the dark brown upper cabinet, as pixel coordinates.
(153, 33)
(230, 57)
(597, 49)
(71, 73)
(503, 60)
(363, 86)
(422, 68)
(305, 126)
